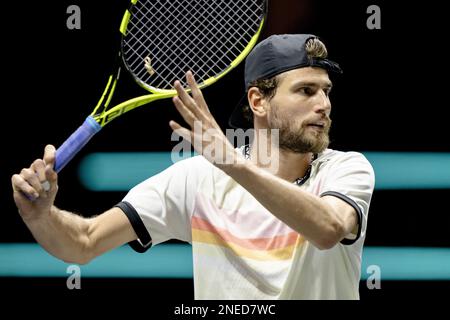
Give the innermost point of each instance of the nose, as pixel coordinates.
(322, 103)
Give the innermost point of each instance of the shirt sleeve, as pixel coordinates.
(160, 208)
(351, 178)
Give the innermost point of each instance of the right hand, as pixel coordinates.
(32, 200)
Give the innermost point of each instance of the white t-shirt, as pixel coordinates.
(240, 250)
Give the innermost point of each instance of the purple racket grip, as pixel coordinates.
(75, 142)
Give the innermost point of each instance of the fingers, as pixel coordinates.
(37, 180)
(196, 92)
(20, 185)
(194, 108)
(182, 94)
(32, 182)
(32, 177)
(38, 166)
(187, 115)
(195, 104)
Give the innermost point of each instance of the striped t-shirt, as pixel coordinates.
(240, 250)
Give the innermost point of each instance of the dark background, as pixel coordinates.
(392, 97)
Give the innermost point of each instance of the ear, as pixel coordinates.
(256, 102)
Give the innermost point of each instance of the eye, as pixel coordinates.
(307, 91)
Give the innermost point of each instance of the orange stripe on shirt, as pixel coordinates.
(207, 237)
(264, 244)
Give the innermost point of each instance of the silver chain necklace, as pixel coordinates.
(298, 181)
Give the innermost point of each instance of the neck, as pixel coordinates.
(286, 164)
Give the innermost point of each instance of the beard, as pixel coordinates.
(299, 137)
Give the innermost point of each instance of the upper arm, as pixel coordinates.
(350, 182)
(346, 214)
(108, 231)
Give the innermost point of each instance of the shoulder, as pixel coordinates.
(334, 157)
(197, 163)
(345, 162)
(195, 168)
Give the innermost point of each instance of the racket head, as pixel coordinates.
(163, 39)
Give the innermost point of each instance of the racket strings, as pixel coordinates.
(170, 59)
(204, 36)
(175, 51)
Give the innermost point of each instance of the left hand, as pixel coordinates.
(204, 134)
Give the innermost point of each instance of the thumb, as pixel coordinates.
(51, 180)
(181, 131)
(49, 155)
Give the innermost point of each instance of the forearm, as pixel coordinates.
(63, 234)
(302, 211)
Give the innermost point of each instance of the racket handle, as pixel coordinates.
(75, 142)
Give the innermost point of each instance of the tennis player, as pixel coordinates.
(294, 230)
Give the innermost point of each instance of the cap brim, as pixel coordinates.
(326, 64)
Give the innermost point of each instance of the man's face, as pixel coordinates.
(301, 110)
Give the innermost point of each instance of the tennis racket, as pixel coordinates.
(160, 41)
